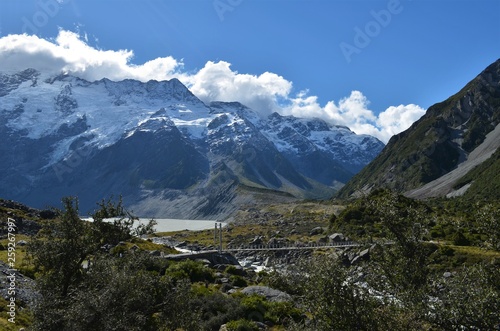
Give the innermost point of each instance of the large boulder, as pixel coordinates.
(257, 241)
(316, 231)
(336, 237)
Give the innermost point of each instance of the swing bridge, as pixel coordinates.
(220, 249)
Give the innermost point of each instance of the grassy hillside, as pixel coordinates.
(484, 180)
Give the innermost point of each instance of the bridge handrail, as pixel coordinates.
(295, 246)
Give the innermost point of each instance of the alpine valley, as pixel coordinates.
(161, 148)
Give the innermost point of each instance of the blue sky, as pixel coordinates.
(392, 53)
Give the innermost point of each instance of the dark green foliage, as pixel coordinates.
(362, 220)
(457, 220)
(474, 220)
(334, 297)
(446, 250)
(404, 263)
(459, 239)
(469, 300)
(254, 307)
(283, 313)
(238, 281)
(275, 279)
(398, 288)
(192, 270)
(119, 250)
(401, 287)
(106, 292)
(331, 221)
(232, 270)
(488, 223)
(145, 229)
(242, 325)
(121, 228)
(115, 294)
(257, 308)
(338, 299)
(217, 309)
(484, 179)
(60, 248)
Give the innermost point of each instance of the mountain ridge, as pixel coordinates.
(161, 147)
(438, 143)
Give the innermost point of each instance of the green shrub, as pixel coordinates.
(255, 307)
(119, 249)
(459, 239)
(242, 325)
(447, 250)
(238, 281)
(202, 290)
(216, 309)
(176, 274)
(28, 271)
(282, 313)
(232, 270)
(437, 232)
(195, 271)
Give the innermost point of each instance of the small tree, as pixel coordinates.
(469, 300)
(60, 248)
(460, 239)
(112, 223)
(110, 293)
(333, 295)
(404, 261)
(399, 268)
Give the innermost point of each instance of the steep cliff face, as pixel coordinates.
(460, 132)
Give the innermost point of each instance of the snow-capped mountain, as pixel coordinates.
(159, 146)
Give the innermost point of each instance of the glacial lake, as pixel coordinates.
(169, 224)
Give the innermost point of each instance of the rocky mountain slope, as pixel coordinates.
(164, 150)
(445, 153)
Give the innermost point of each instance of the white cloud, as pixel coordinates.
(397, 119)
(216, 81)
(353, 112)
(68, 53)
